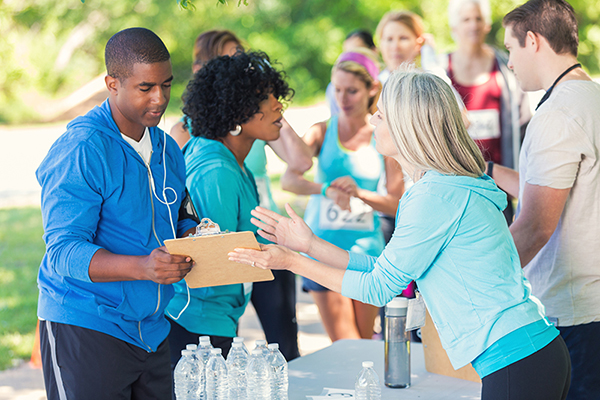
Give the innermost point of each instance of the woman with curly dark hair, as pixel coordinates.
(230, 103)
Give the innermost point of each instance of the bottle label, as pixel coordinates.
(415, 314)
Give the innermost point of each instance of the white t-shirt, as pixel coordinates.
(562, 150)
(143, 147)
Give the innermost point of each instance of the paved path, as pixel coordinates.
(27, 383)
(21, 151)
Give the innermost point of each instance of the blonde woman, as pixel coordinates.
(401, 36)
(343, 197)
(450, 237)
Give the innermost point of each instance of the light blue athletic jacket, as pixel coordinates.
(452, 239)
(96, 194)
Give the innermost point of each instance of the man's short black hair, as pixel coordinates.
(131, 46)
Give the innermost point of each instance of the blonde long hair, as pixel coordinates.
(426, 124)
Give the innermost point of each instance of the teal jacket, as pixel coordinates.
(452, 239)
(226, 194)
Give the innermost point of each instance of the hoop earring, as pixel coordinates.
(237, 131)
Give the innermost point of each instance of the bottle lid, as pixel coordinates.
(273, 346)
(216, 351)
(397, 307)
(367, 364)
(261, 342)
(257, 352)
(238, 339)
(186, 352)
(191, 346)
(398, 302)
(204, 339)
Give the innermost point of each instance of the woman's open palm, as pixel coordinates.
(292, 232)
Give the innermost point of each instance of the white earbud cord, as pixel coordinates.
(168, 204)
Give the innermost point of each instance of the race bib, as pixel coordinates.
(332, 217)
(485, 124)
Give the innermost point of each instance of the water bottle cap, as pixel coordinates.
(186, 352)
(397, 307)
(216, 351)
(204, 339)
(238, 339)
(367, 364)
(257, 352)
(398, 302)
(261, 342)
(273, 346)
(191, 347)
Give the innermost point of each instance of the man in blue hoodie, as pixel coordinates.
(112, 189)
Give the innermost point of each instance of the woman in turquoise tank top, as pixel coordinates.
(344, 199)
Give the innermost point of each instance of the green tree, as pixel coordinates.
(52, 47)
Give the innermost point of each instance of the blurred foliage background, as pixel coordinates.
(48, 48)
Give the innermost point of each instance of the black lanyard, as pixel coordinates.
(549, 91)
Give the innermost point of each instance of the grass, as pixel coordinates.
(21, 250)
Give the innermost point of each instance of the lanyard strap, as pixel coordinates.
(549, 91)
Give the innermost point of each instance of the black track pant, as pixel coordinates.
(544, 375)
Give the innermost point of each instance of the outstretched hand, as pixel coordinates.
(270, 256)
(292, 232)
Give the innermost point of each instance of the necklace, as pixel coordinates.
(549, 91)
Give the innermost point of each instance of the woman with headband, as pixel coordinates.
(343, 197)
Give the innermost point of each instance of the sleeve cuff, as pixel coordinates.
(184, 225)
(80, 259)
(360, 262)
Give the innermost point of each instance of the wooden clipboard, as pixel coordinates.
(213, 267)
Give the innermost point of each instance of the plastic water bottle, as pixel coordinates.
(262, 345)
(216, 377)
(237, 361)
(238, 339)
(201, 374)
(367, 385)
(397, 344)
(258, 374)
(279, 373)
(204, 348)
(187, 376)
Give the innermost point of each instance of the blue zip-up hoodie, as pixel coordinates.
(452, 239)
(96, 193)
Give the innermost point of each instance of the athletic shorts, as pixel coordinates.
(80, 363)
